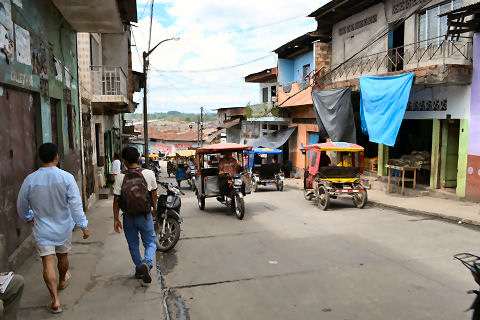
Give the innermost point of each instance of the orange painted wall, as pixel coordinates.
(303, 112)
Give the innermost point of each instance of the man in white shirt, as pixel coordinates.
(135, 224)
(116, 165)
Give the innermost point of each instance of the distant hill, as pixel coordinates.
(172, 116)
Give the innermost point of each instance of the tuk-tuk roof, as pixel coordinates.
(171, 156)
(186, 153)
(265, 151)
(153, 155)
(219, 147)
(334, 146)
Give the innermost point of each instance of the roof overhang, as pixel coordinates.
(106, 16)
(457, 22)
(267, 75)
(299, 45)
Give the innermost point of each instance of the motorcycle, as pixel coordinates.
(234, 197)
(168, 219)
(192, 177)
(472, 262)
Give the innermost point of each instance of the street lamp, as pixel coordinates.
(146, 150)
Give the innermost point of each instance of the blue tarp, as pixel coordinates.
(383, 101)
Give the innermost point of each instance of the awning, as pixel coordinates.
(334, 113)
(273, 140)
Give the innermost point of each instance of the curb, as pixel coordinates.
(455, 219)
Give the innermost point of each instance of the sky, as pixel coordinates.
(214, 34)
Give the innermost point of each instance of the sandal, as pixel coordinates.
(68, 276)
(54, 311)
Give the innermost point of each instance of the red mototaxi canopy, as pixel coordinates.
(334, 146)
(220, 147)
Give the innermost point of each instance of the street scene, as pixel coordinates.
(239, 160)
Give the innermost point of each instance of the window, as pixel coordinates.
(265, 95)
(306, 70)
(313, 160)
(431, 27)
(274, 91)
(94, 52)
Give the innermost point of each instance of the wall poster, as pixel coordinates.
(22, 46)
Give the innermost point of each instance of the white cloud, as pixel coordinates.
(210, 39)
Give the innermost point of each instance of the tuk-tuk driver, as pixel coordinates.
(228, 166)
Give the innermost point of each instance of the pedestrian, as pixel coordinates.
(10, 299)
(116, 165)
(135, 192)
(49, 201)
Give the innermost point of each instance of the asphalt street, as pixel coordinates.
(289, 260)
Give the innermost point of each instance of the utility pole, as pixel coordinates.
(198, 131)
(201, 126)
(146, 150)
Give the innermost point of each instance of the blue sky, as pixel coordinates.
(213, 34)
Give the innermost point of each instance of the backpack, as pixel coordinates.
(135, 197)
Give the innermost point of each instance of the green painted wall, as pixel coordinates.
(435, 160)
(443, 151)
(50, 38)
(462, 158)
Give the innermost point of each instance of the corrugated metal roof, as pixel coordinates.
(464, 8)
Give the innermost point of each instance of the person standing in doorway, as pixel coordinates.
(135, 191)
(116, 165)
(50, 202)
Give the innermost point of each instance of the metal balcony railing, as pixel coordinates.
(108, 81)
(436, 51)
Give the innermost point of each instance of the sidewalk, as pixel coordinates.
(458, 211)
(102, 284)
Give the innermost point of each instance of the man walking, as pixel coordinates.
(50, 202)
(135, 192)
(116, 165)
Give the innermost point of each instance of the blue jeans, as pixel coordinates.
(143, 225)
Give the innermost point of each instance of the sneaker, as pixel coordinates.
(145, 272)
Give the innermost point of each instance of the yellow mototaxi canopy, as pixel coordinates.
(153, 155)
(171, 156)
(334, 146)
(186, 153)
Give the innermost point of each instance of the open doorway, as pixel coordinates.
(449, 153)
(396, 42)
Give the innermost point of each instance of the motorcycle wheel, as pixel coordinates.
(201, 202)
(279, 185)
(360, 199)
(192, 184)
(238, 207)
(323, 199)
(171, 236)
(254, 185)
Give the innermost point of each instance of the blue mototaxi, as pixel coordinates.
(265, 167)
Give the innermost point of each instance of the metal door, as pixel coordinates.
(18, 158)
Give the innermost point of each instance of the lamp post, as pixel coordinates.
(146, 150)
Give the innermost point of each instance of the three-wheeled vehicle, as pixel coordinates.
(184, 156)
(265, 167)
(210, 181)
(333, 169)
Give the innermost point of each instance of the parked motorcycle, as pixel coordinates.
(168, 219)
(192, 177)
(234, 197)
(472, 262)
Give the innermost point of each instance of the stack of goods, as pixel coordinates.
(415, 159)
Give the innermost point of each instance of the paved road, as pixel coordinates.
(289, 260)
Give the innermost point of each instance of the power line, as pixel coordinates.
(214, 69)
(145, 7)
(265, 25)
(151, 21)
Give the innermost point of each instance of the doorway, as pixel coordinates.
(54, 120)
(449, 153)
(396, 42)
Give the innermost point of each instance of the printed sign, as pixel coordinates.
(22, 41)
(163, 148)
(183, 146)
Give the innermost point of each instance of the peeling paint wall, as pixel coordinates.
(38, 58)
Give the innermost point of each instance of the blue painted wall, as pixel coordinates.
(290, 70)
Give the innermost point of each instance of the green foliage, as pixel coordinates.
(173, 116)
(248, 111)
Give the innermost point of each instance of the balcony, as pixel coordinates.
(109, 86)
(437, 60)
(295, 94)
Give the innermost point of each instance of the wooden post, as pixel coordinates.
(382, 159)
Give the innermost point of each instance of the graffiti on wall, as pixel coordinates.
(163, 148)
(183, 146)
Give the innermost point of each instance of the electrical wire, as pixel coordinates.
(144, 8)
(151, 21)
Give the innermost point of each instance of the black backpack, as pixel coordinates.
(135, 198)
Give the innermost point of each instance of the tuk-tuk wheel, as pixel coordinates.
(360, 199)
(254, 185)
(323, 199)
(201, 202)
(279, 185)
(307, 195)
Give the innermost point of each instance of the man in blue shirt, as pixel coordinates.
(50, 202)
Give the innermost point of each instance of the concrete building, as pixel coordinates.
(106, 93)
(374, 37)
(39, 93)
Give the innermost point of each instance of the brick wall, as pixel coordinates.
(323, 55)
